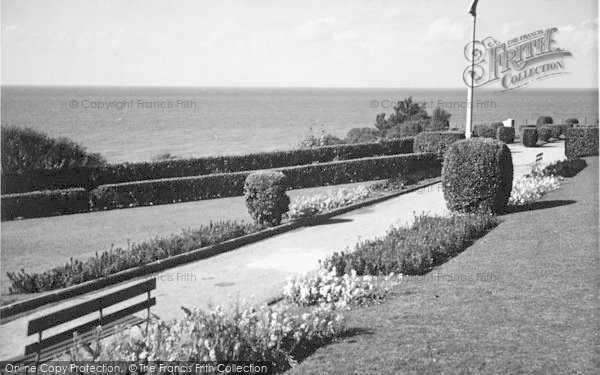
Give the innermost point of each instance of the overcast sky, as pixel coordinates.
(321, 43)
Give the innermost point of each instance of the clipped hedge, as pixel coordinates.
(529, 136)
(44, 203)
(92, 177)
(572, 121)
(544, 133)
(185, 189)
(436, 142)
(543, 120)
(484, 131)
(266, 199)
(581, 141)
(505, 134)
(477, 175)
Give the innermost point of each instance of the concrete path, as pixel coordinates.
(260, 269)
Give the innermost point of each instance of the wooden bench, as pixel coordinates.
(46, 349)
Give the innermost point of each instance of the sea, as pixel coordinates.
(136, 124)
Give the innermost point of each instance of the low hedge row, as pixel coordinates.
(581, 141)
(436, 142)
(184, 189)
(44, 203)
(413, 250)
(92, 177)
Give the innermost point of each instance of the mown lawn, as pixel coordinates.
(523, 299)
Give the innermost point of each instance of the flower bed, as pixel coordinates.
(278, 335)
(311, 205)
(326, 287)
(415, 249)
(115, 260)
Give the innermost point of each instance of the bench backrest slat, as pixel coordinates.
(71, 313)
(89, 326)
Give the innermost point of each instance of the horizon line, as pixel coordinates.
(286, 87)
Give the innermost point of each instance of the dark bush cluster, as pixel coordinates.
(363, 135)
(266, 198)
(581, 141)
(505, 134)
(543, 120)
(436, 142)
(184, 189)
(529, 136)
(544, 133)
(413, 250)
(565, 168)
(89, 177)
(44, 203)
(25, 150)
(477, 175)
(118, 259)
(484, 131)
(572, 121)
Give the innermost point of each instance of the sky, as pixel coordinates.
(277, 43)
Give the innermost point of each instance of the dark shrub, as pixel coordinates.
(44, 203)
(543, 120)
(477, 175)
(185, 189)
(362, 135)
(91, 177)
(117, 259)
(565, 168)
(331, 140)
(496, 125)
(505, 134)
(556, 130)
(571, 121)
(484, 131)
(581, 141)
(25, 149)
(435, 125)
(406, 129)
(415, 249)
(544, 133)
(266, 198)
(529, 136)
(436, 142)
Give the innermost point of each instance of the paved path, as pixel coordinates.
(260, 269)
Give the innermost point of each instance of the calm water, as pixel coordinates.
(144, 122)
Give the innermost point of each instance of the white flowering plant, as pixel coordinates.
(279, 334)
(307, 206)
(531, 187)
(326, 288)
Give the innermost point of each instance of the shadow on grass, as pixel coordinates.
(300, 354)
(539, 205)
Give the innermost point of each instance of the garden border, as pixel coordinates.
(15, 310)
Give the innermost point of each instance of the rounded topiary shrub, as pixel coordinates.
(477, 175)
(505, 134)
(529, 137)
(266, 199)
(543, 120)
(544, 133)
(571, 121)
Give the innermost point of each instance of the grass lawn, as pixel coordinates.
(523, 299)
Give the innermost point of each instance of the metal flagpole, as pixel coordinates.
(469, 122)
